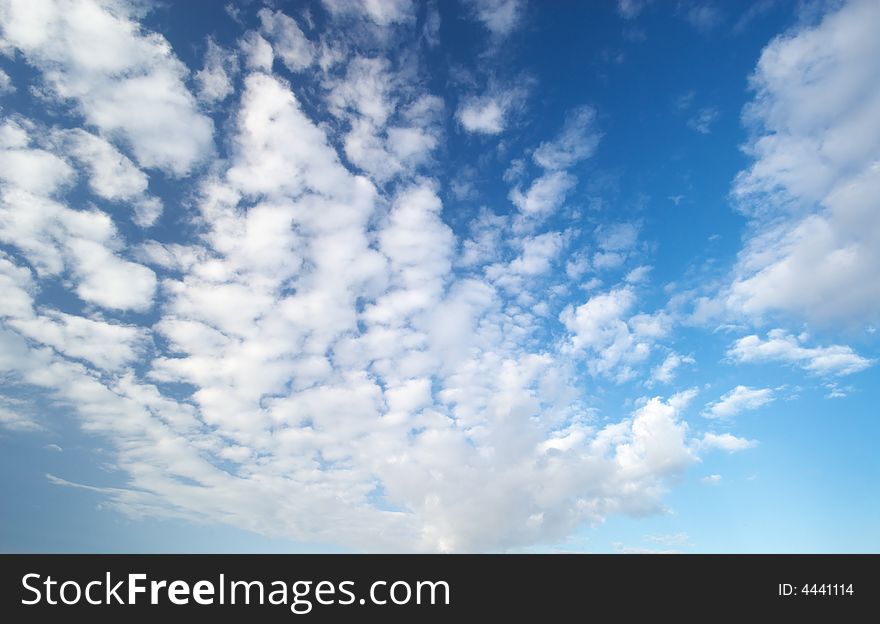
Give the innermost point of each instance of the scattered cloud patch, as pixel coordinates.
(724, 442)
(780, 346)
(813, 248)
(129, 85)
(215, 79)
(482, 114)
(738, 400)
(500, 17)
(666, 371)
(703, 121)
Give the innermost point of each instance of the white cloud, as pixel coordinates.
(128, 85)
(546, 193)
(289, 41)
(782, 347)
(111, 174)
(6, 85)
(392, 127)
(380, 12)
(666, 370)
(334, 353)
(738, 400)
(577, 141)
(55, 238)
(713, 479)
(638, 275)
(608, 336)
(500, 17)
(258, 54)
(293, 385)
(812, 186)
(34, 170)
(538, 252)
(215, 79)
(348, 355)
(536, 257)
(724, 442)
(108, 346)
(267, 161)
(482, 114)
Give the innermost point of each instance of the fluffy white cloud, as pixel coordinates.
(812, 187)
(740, 399)
(782, 347)
(111, 174)
(538, 252)
(482, 114)
(546, 194)
(127, 84)
(412, 389)
(612, 340)
(339, 366)
(289, 41)
(257, 51)
(267, 161)
(57, 239)
(348, 354)
(34, 170)
(392, 126)
(107, 346)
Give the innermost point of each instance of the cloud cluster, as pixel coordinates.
(317, 353)
(811, 190)
(128, 85)
(740, 399)
(340, 368)
(577, 141)
(782, 347)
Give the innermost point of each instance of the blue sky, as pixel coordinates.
(449, 276)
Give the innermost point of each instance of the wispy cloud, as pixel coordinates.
(782, 347)
(740, 399)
